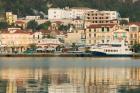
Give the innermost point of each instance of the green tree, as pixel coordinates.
(45, 25)
(32, 25)
(33, 47)
(64, 27)
(136, 48)
(3, 25)
(123, 22)
(74, 47)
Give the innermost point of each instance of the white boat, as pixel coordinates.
(111, 49)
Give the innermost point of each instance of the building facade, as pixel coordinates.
(10, 18)
(15, 41)
(101, 17)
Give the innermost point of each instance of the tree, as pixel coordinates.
(74, 47)
(123, 22)
(136, 48)
(45, 25)
(64, 27)
(32, 25)
(33, 47)
(3, 25)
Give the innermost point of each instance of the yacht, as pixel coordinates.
(114, 48)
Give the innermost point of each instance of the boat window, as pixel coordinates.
(116, 45)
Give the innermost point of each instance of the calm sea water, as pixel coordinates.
(69, 75)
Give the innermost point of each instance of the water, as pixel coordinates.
(69, 75)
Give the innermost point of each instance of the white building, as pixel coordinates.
(32, 17)
(55, 13)
(67, 13)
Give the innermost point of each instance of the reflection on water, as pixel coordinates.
(69, 75)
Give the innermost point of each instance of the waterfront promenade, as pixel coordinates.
(58, 55)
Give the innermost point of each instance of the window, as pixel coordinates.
(115, 35)
(124, 35)
(133, 29)
(94, 29)
(102, 29)
(107, 29)
(90, 35)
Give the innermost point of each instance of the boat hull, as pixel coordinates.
(101, 54)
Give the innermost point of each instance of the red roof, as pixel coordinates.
(52, 31)
(58, 22)
(20, 22)
(134, 23)
(17, 32)
(101, 25)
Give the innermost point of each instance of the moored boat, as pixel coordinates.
(120, 49)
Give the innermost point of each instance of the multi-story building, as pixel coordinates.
(67, 13)
(10, 18)
(134, 33)
(101, 17)
(99, 33)
(56, 13)
(15, 41)
(79, 12)
(76, 36)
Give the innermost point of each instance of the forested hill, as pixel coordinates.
(127, 8)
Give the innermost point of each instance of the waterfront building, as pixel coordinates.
(134, 31)
(10, 18)
(99, 33)
(76, 36)
(47, 45)
(15, 41)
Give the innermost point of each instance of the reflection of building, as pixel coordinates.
(68, 80)
(65, 88)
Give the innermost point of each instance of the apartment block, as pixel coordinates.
(10, 18)
(101, 17)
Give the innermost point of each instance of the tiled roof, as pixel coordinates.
(20, 22)
(17, 32)
(134, 23)
(101, 25)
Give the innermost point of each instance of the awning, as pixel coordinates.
(50, 49)
(40, 49)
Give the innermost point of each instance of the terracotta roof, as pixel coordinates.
(20, 22)
(52, 31)
(134, 23)
(58, 22)
(45, 31)
(17, 32)
(101, 25)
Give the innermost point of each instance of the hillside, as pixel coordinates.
(127, 8)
